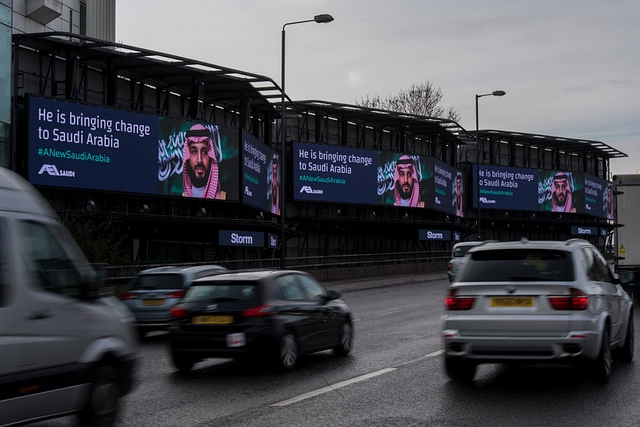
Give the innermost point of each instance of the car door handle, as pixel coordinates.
(39, 315)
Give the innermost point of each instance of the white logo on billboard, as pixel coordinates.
(487, 201)
(307, 189)
(53, 171)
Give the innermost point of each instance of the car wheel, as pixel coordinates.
(602, 364)
(287, 352)
(346, 340)
(101, 408)
(182, 362)
(625, 353)
(460, 370)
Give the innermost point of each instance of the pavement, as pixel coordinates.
(352, 285)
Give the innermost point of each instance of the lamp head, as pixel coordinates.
(499, 93)
(324, 18)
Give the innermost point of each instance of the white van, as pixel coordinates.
(63, 348)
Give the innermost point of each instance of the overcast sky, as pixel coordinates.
(571, 68)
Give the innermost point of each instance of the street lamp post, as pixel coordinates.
(477, 195)
(320, 19)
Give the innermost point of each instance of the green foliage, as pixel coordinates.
(422, 100)
(101, 239)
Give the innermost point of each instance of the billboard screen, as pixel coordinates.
(510, 188)
(334, 174)
(82, 146)
(349, 175)
(260, 175)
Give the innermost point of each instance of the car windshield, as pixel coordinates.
(157, 281)
(511, 265)
(222, 291)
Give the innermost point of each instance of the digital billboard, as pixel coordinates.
(82, 146)
(260, 175)
(348, 175)
(448, 188)
(334, 174)
(510, 188)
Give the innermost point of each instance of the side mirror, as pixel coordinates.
(331, 295)
(626, 277)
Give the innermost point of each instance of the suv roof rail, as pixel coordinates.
(575, 240)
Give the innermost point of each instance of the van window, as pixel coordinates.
(4, 270)
(52, 269)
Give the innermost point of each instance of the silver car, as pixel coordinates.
(536, 302)
(152, 292)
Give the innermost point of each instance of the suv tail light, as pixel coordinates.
(177, 294)
(260, 311)
(449, 266)
(126, 295)
(577, 300)
(454, 302)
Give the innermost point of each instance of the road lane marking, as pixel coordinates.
(426, 356)
(333, 387)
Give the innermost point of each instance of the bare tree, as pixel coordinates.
(422, 99)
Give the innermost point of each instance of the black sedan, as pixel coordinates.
(267, 314)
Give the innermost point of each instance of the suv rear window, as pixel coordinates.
(519, 265)
(222, 291)
(157, 281)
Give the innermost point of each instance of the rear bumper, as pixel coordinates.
(215, 345)
(572, 346)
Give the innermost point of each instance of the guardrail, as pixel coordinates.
(122, 274)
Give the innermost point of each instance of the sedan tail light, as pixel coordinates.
(177, 312)
(177, 294)
(126, 295)
(260, 311)
(454, 302)
(577, 300)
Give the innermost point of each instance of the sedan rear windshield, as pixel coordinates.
(222, 291)
(157, 281)
(511, 265)
(461, 251)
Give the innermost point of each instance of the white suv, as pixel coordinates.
(63, 348)
(458, 252)
(536, 302)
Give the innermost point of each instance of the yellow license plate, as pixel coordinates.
(512, 302)
(212, 320)
(152, 302)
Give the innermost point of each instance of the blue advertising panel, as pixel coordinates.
(584, 231)
(595, 196)
(272, 241)
(448, 189)
(260, 173)
(82, 146)
(404, 180)
(439, 235)
(241, 238)
(323, 173)
(503, 187)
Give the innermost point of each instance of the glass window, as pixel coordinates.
(4, 271)
(220, 291)
(290, 288)
(518, 265)
(46, 259)
(601, 271)
(157, 281)
(314, 290)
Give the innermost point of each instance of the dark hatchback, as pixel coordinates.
(275, 315)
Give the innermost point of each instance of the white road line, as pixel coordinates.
(333, 387)
(426, 356)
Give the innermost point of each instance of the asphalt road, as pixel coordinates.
(393, 378)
